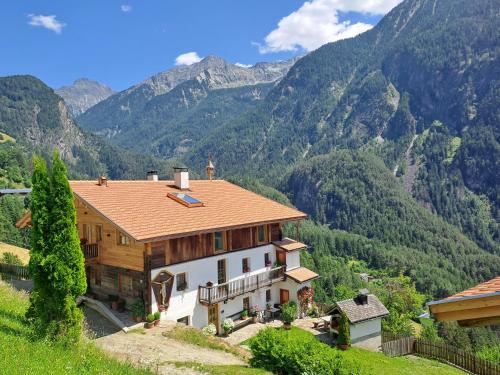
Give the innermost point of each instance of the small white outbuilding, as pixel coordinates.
(365, 313)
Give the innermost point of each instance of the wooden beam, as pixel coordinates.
(480, 322)
(484, 312)
(464, 304)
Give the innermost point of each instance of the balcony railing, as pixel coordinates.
(221, 292)
(90, 250)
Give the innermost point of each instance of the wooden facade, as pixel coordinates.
(118, 265)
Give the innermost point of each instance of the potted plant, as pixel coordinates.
(227, 326)
(344, 338)
(138, 310)
(209, 330)
(157, 316)
(150, 321)
(255, 313)
(244, 314)
(288, 314)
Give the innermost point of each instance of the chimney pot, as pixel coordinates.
(152, 176)
(181, 178)
(102, 180)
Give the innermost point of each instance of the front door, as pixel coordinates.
(284, 296)
(213, 315)
(281, 257)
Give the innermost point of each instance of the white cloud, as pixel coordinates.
(187, 58)
(243, 65)
(317, 22)
(48, 22)
(126, 8)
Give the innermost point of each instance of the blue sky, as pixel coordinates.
(123, 42)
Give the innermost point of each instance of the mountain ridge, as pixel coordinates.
(83, 94)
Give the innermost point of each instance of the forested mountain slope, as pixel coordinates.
(169, 112)
(428, 73)
(38, 119)
(354, 191)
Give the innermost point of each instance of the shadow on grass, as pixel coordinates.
(9, 315)
(12, 331)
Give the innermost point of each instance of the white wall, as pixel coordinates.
(199, 272)
(367, 328)
(292, 260)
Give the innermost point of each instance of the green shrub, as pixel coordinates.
(244, 314)
(344, 337)
(490, 353)
(150, 318)
(157, 315)
(227, 325)
(138, 308)
(11, 258)
(296, 352)
(288, 312)
(209, 330)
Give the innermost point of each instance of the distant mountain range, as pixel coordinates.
(83, 94)
(38, 119)
(390, 141)
(169, 112)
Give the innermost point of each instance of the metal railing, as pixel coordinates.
(221, 292)
(90, 250)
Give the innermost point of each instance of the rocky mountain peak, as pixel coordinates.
(83, 94)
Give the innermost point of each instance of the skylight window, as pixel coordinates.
(185, 199)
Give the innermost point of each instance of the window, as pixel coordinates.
(267, 259)
(184, 320)
(221, 271)
(123, 239)
(268, 295)
(181, 281)
(185, 199)
(86, 232)
(125, 284)
(246, 303)
(245, 264)
(219, 241)
(261, 234)
(98, 233)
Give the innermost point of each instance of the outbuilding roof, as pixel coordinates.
(143, 210)
(357, 312)
(289, 245)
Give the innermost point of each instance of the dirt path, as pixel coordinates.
(151, 349)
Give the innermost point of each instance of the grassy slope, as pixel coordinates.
(22, 253)
(21, 355)
(372, 363)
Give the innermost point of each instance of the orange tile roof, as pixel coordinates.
(301, 274)
(488, 287)
(289, 245)
(143, 210)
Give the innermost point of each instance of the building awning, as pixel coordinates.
(289, 245)
(476, 306)
(301, 274)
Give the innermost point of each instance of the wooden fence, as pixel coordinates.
(14, 271)
(394, 345)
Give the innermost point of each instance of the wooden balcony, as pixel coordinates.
(209, 295)
(90, 252)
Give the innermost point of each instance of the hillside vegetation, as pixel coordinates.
(20, 354)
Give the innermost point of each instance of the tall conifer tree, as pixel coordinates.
(61, 261)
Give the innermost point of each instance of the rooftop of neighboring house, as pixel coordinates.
(152, 210)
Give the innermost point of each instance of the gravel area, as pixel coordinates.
(148, 348)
